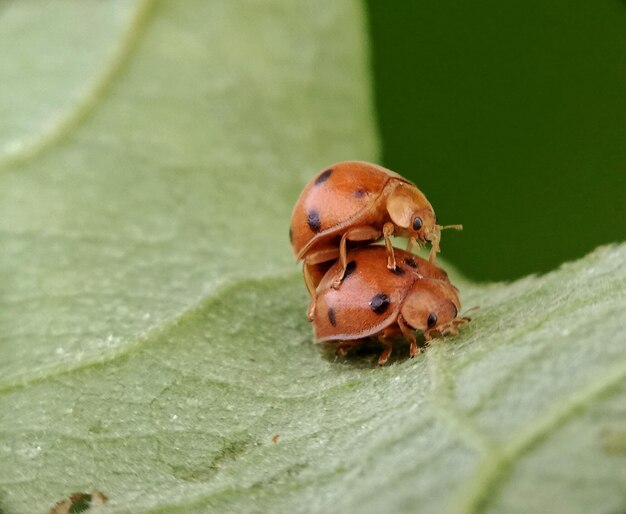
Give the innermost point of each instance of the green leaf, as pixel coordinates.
(152, 318)
(173, 172)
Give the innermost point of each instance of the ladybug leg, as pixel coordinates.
(344, 346)
(455, 324)
(308, 280)
(388, 229)
(384, 357)
(412, 243)
(365, 233)
(342, 350)
(343, 259)
(408, 333)
(452, 328)
(322, 256)
(315, 266)
(434, 247)
(429, 335)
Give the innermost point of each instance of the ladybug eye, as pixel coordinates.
(417, 223)
(432, 320)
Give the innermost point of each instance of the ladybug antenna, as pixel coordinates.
(446, 227)
(436, 237)
(470, 312)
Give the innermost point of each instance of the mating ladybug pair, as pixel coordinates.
(358, 291)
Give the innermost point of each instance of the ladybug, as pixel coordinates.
(358, 203)
(377, 302)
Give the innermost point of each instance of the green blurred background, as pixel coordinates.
(511, 117)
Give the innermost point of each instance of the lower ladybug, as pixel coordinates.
(376, 302)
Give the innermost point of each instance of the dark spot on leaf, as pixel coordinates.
(398, 271)
(291, 235)
(323, 176)
(380, 303)
(614, 441)
(205, 470)
(331, 317)
(313, 221)
(411, 262)
(350, 267)
(80, 503)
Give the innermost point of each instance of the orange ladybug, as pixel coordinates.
(358, 202)
(376, 302)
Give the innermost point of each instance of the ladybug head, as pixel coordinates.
(414, 217)
(412, 214)
(431, 306)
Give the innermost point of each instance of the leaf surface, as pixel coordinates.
(154, 345)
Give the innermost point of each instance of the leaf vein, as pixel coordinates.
(445, 408)
(491, 473)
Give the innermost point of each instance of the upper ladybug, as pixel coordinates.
(358, 202)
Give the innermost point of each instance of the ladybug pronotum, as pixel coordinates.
(377, 302)
(358, 203)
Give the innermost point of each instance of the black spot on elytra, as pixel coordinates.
(432, 320)
(323, 176)
(380, 303)
(360, 193)
(291, 235)
(398, 271)
(331, 317)
(313, 221)
(350, 267)
(411, 262)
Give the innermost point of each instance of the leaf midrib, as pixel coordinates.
(149, 336)
(67, 122)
